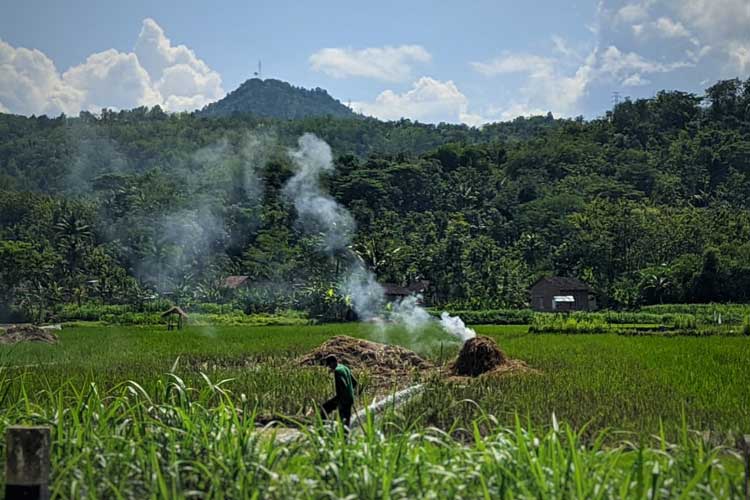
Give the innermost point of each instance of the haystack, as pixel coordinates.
(27, 333)
(477, 356)
(363, 354)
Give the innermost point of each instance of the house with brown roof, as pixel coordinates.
(396, 293)
(561, 294)
(235, 282)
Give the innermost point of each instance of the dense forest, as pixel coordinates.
(648, 204)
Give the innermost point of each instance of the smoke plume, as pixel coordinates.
(456, 327)
(319, 213)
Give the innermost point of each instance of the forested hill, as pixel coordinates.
(648, 204)
(276, 99)
(63, 154)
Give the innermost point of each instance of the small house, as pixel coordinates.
(235, 282)
(396, 293)
(560, 294)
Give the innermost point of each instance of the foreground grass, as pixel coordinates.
(181, 441)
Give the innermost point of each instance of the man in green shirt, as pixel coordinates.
(345, 385)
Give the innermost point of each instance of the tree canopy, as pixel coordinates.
(648, 204)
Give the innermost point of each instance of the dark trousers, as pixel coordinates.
(344, 409)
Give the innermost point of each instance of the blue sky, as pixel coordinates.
(471, 61)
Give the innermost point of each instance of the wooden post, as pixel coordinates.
(743, 443)
(27, 462)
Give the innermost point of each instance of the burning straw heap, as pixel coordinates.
(481, 355)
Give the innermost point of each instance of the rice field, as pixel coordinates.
(147, 413)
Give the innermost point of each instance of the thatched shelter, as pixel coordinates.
(176, 318)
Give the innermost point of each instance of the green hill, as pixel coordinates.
(276, 99)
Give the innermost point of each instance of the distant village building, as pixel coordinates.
(235, 282)
(559, 294)
(396, 293)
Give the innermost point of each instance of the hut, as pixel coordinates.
(561, 294)
(176, 318)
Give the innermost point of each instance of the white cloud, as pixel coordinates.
(393, 64)
(183, 80)
(635, 80)
(428, 100)
(156, 73)
(516, 109)
(614, 62)
(631, 13)
(30, 83)
(725, 25)
(663, 27)
(670, 28)
(548, 85)
(718, 19)
(739, 56)
(666, 30)
(514, 63)
(112, 79)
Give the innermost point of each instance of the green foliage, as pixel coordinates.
(647, 204)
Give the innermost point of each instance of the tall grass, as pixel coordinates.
(180, 441)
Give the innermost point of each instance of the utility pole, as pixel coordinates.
(615, 99)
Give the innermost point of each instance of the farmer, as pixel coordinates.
(345, 385)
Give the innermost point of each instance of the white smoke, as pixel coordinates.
(319, 213)
(456, 327)
(411, 315)
(179, 253)
(415, 318)
(366, 293)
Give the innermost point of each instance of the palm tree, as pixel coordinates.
(372, 255)
(658, 284)
(73, 236)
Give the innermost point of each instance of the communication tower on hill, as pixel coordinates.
(259, 73)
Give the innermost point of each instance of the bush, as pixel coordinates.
(491, 316)
(200, 314)
(561, 323)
